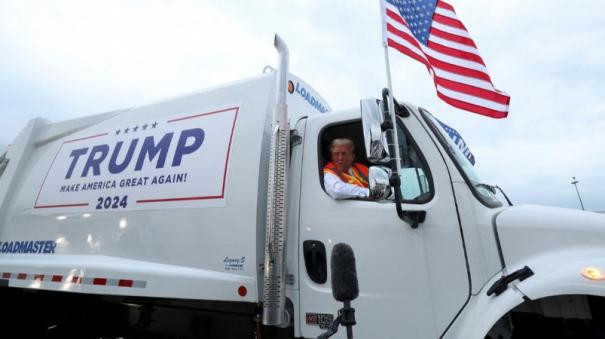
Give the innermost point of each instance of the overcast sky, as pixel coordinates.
(65, 59)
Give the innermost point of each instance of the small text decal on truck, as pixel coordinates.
(234, 264)
(322, 320)
(308, 96)
(175, 162)
(28, 247)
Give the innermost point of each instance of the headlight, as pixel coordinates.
(593, 273)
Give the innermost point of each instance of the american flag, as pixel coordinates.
(430, 32)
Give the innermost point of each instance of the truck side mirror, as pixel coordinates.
(372, 118)
(378, 180)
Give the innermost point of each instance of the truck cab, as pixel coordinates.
(452, 274)
(427, 266)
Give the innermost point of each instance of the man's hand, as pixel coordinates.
(379, 193)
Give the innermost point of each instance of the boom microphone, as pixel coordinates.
(344, 288)
(344, 275)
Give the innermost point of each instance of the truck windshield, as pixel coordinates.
(479, 189)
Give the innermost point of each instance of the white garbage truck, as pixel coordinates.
(205, 216)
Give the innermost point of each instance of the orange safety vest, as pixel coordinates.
(359, 175)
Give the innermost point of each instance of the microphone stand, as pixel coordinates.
(346, 317)
(331, 330)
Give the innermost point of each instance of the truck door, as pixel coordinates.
(412, 282)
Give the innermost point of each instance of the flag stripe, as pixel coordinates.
(394, 16)
(453, 44)
(471, 99)
(448, 21)
(458, 70)
(407, 51)
(446, 12)
(451, 57)
(451, 30)
(477, 92)
(400, 26)
(461, 54)
(402, 35)
(463, 79)
(435, 32)
(469, 64)
(445, 5)
(472, 108)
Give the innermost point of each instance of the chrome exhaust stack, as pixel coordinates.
(274, 288)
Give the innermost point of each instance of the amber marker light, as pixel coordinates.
(593, 273)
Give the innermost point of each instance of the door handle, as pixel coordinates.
(314, 253)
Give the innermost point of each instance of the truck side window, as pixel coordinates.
(348, 130)
(416, 184)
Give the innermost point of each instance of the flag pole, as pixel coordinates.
(391, 96)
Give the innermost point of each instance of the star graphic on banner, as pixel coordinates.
(154, 124)
(126, 130)
(118, 132)
(135, 128)
(145, 127)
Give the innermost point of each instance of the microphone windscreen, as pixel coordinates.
(344, 275)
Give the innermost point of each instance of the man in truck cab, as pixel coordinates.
(343, 177)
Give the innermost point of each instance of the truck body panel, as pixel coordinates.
(186, 219)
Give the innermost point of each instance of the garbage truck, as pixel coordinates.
(205, 216)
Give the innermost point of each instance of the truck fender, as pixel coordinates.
(483, 311)
(556, 273)
(560, 272)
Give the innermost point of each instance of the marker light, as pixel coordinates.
(242, 291)
(593, 273)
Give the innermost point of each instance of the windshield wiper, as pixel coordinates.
(492, 189)
(3, 163)
(505, 196)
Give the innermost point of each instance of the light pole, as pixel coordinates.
(575, 183)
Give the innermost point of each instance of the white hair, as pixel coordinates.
(342, 142)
